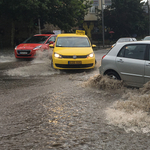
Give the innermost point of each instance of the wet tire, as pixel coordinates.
(52, 63)
(113, 75)
(95, 61)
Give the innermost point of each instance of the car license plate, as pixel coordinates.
(23, 53)
(74, 62)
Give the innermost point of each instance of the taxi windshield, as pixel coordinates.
(36, 39)
(72, 42)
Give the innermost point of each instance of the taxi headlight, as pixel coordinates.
(57, 55)
(90, 55)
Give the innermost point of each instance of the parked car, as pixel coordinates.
(146, 38)
(73, 51)
(128, 61)
(124, 39)
(29, 47)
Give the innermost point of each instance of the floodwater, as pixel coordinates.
(132, 111)
(44, 108)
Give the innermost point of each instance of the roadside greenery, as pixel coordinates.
(126, 18)
(65, 14)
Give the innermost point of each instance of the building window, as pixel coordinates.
(92, 9)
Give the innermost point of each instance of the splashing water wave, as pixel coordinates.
(38, 67)
(132, 110)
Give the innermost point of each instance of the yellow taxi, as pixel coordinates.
(73, 51)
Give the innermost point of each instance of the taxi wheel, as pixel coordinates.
(52, 63)
(95, 61)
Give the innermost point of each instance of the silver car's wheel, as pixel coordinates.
(113, 75)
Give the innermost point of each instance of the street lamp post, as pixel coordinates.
(103, 23)
(39, 24)
(148, 2)
(146, 8)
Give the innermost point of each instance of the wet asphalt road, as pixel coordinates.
(42, 109)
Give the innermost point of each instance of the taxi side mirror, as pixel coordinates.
(93, 45)
(51, 46)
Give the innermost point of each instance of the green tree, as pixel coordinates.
(126, 17)
(66, 14)
(70, 13)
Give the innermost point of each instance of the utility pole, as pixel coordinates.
(148, 2)
(39, 26)
(103, 23)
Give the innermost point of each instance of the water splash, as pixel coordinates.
(131, 111)
(40, 66)
(104, 83)
(4, 59)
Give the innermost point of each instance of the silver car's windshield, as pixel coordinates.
(72, 42)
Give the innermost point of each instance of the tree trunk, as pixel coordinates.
(12, 33)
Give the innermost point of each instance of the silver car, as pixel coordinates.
(146, 38)
(129, 62)
(124, 39)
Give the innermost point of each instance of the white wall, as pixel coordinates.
(92, 16)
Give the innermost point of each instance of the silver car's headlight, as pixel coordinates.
(90, 55)
(37, 47)
(57, 55)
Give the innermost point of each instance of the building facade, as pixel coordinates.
(92, 21)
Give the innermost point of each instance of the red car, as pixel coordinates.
(28, 48)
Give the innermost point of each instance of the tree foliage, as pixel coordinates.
(126, 17)
(65, 14)
(69, 13)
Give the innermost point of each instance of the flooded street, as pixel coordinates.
(46, 109)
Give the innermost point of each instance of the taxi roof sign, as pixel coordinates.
(80, 32)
